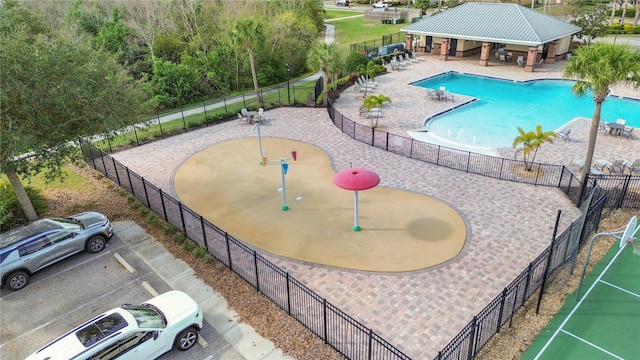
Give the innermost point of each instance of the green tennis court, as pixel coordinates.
(605, 322)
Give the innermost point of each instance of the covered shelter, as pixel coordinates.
(506, 31)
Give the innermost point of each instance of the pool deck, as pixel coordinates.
(508, 223)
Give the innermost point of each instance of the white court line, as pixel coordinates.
(592, 344)
(621, 289)
(578, 305)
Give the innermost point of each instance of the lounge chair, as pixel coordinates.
(578, 163)
(616, 166)
(564, 135)
(394, 64)
(365, 81)
(633, 166)
(408, 59)
(377, 112)
(416, 57)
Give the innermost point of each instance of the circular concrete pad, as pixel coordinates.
(401, 231)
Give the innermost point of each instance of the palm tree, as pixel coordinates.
(375, 101)
(598, 67)
(324, 57)
(248, 32)
(532, 142)
(370, 71)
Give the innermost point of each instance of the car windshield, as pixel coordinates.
(147, 316)
(13, 236)
(101, 329)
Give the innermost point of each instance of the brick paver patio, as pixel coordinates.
(508, 223)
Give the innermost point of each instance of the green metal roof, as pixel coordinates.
(494, 22)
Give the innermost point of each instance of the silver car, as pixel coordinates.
(34, 246)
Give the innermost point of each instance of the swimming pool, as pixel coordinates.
(504, 105)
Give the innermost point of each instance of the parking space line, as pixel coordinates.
(124, 263)
(149, 289)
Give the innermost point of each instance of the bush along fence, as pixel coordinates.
(215, 111)
(623, 191)
(337, 328)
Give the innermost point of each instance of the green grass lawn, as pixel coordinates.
(354, 30)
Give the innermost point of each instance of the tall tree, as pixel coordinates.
(54, 89)
(248, 32)
(597, 68)
(323, 56)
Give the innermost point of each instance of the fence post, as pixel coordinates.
(164, 209)
(526, 284)
(146, 194)
(502, 301)
(184, 226)
(546, 267)
(133, 192)
(204, 233)
(255, 268)
(135, 132)
(288, 296)
(115, 168)
(160, 125)
(104, 165)
(324, 319)
(370, 349)
(226, 237)
(472, 337)
(184, 123)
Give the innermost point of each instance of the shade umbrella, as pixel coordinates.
(356, 179)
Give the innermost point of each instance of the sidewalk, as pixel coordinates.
(245, 343)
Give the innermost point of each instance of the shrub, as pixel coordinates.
(11, 213)
(353, 60)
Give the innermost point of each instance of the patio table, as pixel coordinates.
(615, 128)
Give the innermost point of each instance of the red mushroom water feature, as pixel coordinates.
(356, 179)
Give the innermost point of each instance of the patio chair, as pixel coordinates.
(578, 163)
(621, 121)
(503, 59)
(448, 96)
(243, 119)
(602, 126)
(627, 132)
(564, 135)
(520, 61)
(259, 118)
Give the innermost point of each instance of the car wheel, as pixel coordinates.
(186, 339)
(17, 280)
(96, 244)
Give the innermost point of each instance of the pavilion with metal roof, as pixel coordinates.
(510, 32)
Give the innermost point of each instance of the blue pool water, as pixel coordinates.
(505, 105)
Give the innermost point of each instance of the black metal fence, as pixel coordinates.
(222, 109)
(623, 191)
(341, 331)
(338, 329)
(372, 48)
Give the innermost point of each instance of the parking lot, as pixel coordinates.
(74, 290)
